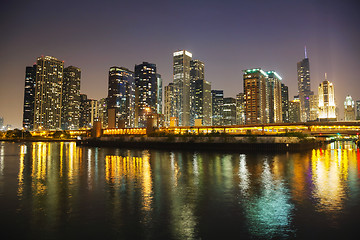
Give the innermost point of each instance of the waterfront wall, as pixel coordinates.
(250, 143)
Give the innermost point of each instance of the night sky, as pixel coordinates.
(228, 36)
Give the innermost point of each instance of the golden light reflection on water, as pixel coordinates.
(132, 169)
(330, 174)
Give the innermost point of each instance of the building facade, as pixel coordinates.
(121, 98)
(229, 111)
(71, 98)
(327, 105)
(169, 111)
(217, 103)
(159, 94)
(197, 74)
(294, 111)
(240, 109)
(274, 97)
(48, 93)
(256, 90)
(304, 90)
(285, 103)
(314, 107)
(181, 75)
(29, 97)
(146, 89)
(349, 109)
(201, 102)
(357, 106)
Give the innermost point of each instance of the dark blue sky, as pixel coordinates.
(229, 36)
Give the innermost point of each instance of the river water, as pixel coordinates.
(64, 191)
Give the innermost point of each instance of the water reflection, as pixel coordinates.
(181, 195)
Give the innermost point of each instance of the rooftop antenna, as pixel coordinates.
(305, 52)
(325, 76)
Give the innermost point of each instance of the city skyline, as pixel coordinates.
(226, 47)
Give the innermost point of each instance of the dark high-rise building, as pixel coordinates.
(71, 98)
(159, 94)
(146, 88)
(48, 93)
(285, 103)
(103, 112)
(121, 98)
(240, 108)
(294, 111)
(29, 98)
(89, 111)
(200, 95)
(202, 102)
(303, 71)
(197, 77)
(181, 73)
(357, 109)
(229, 111)
(217, 107)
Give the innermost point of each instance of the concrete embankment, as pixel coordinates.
(244, 144)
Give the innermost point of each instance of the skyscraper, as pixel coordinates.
(256, 90)
(71, 98)
(201, 102)
(285, 103)
(274, 97)
(48, 93)
(103, 112)
(349, 109)
(197, 77)
(357, 106)
(159, 94)
(1, 123)
(29, 98)
(240, 108)
(326, 101)
(294, 111)
(181, 73)
(303, 71)
(89, 111)
(314, 107)
(217, 107)
(146, 87)
(169, 111)
(121, 98)
(229, 111)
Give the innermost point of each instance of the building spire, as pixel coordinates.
(325, 76)
(305, 52)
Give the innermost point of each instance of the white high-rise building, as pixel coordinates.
(327, 101)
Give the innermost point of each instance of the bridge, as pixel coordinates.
(317, 129)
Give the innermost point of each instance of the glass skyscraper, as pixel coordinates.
(217, 107)
(121, 98)
(303, 71)
(48, 93)
(29, 98)
(181, 74)
(71, 98)
(146, 92)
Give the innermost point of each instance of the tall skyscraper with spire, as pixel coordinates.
(303, 71)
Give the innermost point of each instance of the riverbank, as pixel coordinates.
(206, 143)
